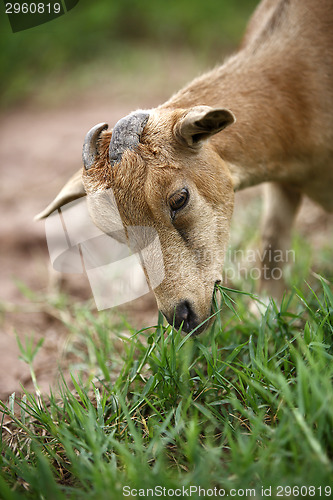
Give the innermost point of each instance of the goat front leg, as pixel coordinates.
(280, 206)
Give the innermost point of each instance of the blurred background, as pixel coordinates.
(96, 63)
(99, 39)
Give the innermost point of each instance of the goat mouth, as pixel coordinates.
(184, 316)
(189, 322)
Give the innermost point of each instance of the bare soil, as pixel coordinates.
(40, 147)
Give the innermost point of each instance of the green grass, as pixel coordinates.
(247, 405)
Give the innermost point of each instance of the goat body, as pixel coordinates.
(265, 115)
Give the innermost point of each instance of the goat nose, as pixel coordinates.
(186, 316)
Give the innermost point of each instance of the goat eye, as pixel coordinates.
(178, 200)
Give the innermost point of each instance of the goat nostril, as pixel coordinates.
(182, 311)
(185, 315)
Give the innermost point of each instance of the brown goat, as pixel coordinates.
(174, 169)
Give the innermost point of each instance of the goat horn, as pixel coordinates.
(126, 135)
(89, 151)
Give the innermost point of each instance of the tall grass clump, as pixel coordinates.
(245, 408)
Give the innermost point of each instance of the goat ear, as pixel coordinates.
(72, 190)
(201, 122)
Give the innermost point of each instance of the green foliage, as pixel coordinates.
(111, 31)
(249, 404)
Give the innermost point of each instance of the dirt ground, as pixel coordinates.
(40, 147)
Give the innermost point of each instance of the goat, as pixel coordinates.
(265, 115)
